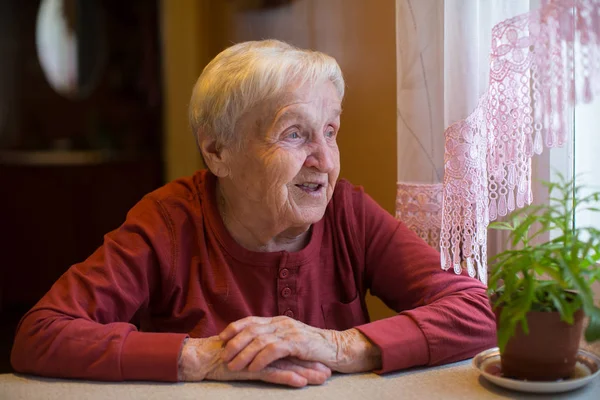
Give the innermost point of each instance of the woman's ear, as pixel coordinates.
(214, 156)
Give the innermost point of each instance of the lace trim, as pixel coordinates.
(419, 206)
(488, 155)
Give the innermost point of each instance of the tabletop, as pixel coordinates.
(453, 381)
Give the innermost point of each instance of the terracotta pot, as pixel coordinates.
(548, 353)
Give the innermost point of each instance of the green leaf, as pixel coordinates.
(505, 226)
(541, 269)
(519, 233)
(592, 332)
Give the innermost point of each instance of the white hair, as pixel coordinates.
(246, 74)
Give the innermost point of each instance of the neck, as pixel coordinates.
(258, 234)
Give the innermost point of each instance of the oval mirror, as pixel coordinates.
(71, 45)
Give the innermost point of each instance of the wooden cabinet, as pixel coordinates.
(55, 216)
(71, 167)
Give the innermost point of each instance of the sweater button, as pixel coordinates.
(286, 292)
(289, 313)
(284, 273)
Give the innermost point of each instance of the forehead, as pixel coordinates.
(307, 92)
(296, 101)
(301, 99)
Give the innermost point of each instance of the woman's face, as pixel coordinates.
(289, 162)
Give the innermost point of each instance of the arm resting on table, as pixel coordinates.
(81, 329)
(443, 317)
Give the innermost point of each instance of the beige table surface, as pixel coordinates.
(454, 381)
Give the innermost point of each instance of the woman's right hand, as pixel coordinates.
(200, 360)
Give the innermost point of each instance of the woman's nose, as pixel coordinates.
(321, 157)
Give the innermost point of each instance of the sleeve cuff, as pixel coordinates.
(401, 341)
(149, 356)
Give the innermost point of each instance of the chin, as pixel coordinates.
(311, 216)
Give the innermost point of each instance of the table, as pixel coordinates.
(453, 381)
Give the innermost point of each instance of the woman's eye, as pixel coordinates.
(294, 135)
(330, 133)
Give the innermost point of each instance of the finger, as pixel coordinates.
(311, 364)
(270, 353)
(313, 376)
(269, 374)
(248, 353)
(235, 327)
(239, 342)
(283, 377)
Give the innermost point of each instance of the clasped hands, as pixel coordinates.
(278, 350)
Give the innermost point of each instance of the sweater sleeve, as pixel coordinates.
(443, 317)
(81, 329)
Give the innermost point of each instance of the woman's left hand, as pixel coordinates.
(256, 342)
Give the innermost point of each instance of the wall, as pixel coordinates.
(181, 66)
(192, 34)
(358, 34)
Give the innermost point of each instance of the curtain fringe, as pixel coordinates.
(532, 84)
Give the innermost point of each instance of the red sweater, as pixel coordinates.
(174, 267)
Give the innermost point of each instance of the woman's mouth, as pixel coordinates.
(310, 187)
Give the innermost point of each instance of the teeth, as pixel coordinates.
(310, 185)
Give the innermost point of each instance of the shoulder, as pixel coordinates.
(345, 212)
(182, 189)
(347, 194)
(352, 208)
(353, 201)
(183, 194)
(171, 204)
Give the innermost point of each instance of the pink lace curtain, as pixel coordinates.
(420, 110)
(541, 63)
(437, 87)
(419, 206)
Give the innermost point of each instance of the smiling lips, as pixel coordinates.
(310, 187)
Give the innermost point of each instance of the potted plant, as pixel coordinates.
(540, 289)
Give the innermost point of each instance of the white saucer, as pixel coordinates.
(587, 369)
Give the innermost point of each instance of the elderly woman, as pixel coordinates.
(257, 268)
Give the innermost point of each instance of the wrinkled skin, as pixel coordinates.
(286, 144)
(201, 361)
(253, 343)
